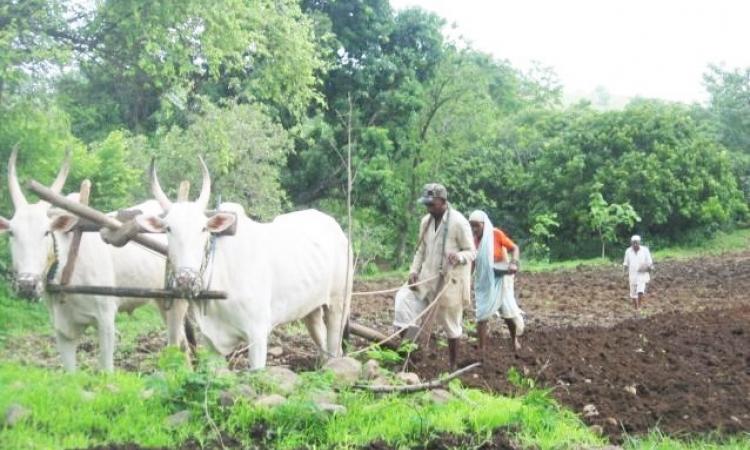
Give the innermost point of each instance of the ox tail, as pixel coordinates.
(337, 314)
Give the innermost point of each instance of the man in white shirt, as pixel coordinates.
(446, 247)
(638, 264)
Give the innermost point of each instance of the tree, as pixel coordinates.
(146, 63)
(35, 36)
(605, 218)
(243, 148)
(730, 104)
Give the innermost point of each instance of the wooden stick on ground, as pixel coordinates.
(434, 384)
(371, 335)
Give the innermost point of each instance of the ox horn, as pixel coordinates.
(62, 175)
(156, 189)
(16, 194)
(206, 187)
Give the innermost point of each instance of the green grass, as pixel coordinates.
(721, 243)
(85, 409)
(658, 441)
(18, 317)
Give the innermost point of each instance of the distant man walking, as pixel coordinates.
(494, 276)
(638, 264)
(445, 247)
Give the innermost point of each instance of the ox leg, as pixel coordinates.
(258, 351)
(317, 329)
(335, 325)
(175, 318)
(67, 349)
(107, 342)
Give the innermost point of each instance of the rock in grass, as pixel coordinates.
(631, 389)
(245, 391)
(380, 381)
(285, 379)
(88, 395)
(331, 408)
(14, 414)
(226, 398)
(346, 370)
(178, 419)
(440, 396)
(590, 410)
(270, 400)
(408, 378)
(229, 397)
(323, 397)
(370, 370)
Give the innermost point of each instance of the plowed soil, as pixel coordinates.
(682, 364)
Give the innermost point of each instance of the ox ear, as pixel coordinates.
(220, 222)
(151, 223)
(4, 224)
(63, 222)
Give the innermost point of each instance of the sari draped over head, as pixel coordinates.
(487, 287)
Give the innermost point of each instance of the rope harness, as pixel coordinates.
(171, 274)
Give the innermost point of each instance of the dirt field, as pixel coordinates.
(682, 365)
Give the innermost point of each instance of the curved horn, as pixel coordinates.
(62, 175)
(16, 194)
(206, 188)
(156, 190)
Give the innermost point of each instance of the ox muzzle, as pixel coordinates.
(188, 282)
(28, 286)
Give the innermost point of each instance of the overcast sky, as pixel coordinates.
(650, 48)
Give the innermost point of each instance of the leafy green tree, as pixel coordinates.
(243, 148)
(730, 104)
(605, 218)
(35, 37)
(146, 63)
(541, 232)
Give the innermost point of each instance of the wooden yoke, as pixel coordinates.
(91, 214)
(75, 244)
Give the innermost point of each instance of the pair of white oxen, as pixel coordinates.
(296, 267)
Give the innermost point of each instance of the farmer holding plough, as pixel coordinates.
(444, 255)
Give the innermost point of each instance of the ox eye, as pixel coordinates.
(168, 229)
(46, 233)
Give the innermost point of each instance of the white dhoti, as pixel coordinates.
(409, 305)
(508, 307)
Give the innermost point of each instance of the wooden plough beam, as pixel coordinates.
(120, 233)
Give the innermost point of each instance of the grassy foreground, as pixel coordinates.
(85, 409)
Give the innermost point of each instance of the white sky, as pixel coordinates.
(649, 48)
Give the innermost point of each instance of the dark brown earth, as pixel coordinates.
(686, 358)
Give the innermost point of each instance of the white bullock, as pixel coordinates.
(296, 267)
(40, 239)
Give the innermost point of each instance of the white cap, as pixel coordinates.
(477, 216)
(635, 238)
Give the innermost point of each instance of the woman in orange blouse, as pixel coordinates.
(493, 279)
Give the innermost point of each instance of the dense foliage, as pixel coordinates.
(274, 94)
